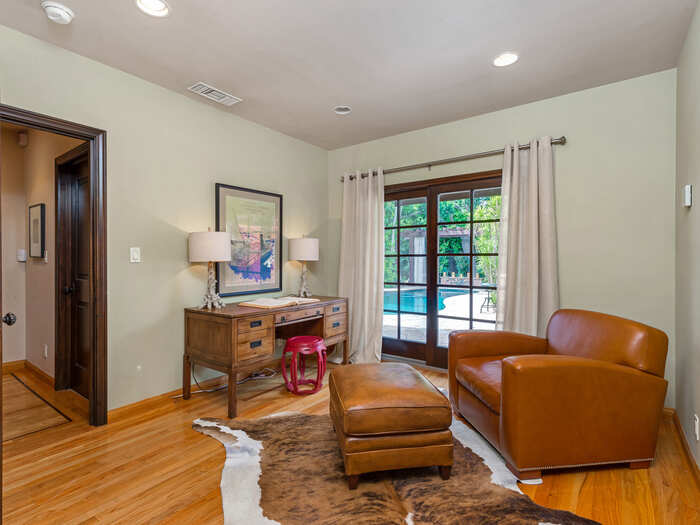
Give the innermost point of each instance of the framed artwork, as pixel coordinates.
(37, 230)
(254, 219)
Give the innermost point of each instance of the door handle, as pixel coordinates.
(68, 290)
(9, 318)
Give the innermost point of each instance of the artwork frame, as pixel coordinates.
(37, 230)
(256, 265)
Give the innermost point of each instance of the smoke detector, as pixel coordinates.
(342, 110)
(57, 12)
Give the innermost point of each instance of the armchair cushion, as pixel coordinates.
(482, 377)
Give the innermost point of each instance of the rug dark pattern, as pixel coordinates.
(303, 482)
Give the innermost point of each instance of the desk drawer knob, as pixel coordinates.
(253, 324)
(283, 319)
(336, 324)
(255, 344)
(336, 309)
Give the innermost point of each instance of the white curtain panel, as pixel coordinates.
(528, 274)
(361, 277)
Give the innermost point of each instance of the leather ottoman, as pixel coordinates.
(388, 416)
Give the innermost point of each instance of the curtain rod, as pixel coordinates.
(561, 140)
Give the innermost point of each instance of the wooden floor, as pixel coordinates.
(149, 466)
(23, 411)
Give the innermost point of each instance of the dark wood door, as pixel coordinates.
(74, 348)
(441, 256)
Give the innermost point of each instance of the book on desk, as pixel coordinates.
(239, 340)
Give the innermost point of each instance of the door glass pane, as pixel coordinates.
(390, 270)
(453, 207)
(484, 304)
(413, 270)
(412, 240)
(445, 326)
(486, 237)
(487, 204)
(390, 327)
(477, 325)
(390, 213)
(453, 302)
(414, 299)
(413, 327)
(391, 298)
(413, 212)
(453, 270)
(389, 242)
(453, 238)
(485, 270)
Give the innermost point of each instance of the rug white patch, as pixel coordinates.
(500, 475)
(240, 491)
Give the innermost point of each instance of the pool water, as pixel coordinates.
(417, 300)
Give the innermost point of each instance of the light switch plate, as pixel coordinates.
(135, 254)
(688, 195)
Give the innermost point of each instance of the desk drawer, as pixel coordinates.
(250, 324)
(337, 308)
(336, 324)
(286, 317)
(255, 344)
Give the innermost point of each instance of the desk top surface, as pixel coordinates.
(233, 310)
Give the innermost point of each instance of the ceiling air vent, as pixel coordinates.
(214, 94)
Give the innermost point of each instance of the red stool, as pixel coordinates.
(300, 347)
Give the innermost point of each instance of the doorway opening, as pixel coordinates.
(58, 240)
(440, 264)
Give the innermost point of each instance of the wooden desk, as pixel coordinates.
(239, 340)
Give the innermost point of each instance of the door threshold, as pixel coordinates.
(410, 361)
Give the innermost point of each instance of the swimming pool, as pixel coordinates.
(416, 300)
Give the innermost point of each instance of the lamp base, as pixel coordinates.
(211, 299)
(303, 288)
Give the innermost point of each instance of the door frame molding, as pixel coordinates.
(96, 139)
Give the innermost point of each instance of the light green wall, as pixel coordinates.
(164, 154)
(614, 188)
(615, 192)
(688, 237)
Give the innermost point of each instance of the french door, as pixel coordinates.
(440, 264)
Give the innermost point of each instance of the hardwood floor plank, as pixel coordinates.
(149, 466)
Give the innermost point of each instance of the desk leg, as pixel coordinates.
(232, 387)
(186, 376)
(346, 351)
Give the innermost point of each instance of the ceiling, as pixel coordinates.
(401, 64)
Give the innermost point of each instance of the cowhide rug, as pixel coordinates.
(288, 470)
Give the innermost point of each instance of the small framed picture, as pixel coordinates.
(37, 230)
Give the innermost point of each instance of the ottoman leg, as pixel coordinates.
(445, 471)
(353, 481)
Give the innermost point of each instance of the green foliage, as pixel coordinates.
(414, 212)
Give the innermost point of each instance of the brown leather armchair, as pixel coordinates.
(591, 393)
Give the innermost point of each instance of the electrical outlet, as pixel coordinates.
(46, 351)
(697, 427)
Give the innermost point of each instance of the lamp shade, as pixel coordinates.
(210, 246)
(304, 249)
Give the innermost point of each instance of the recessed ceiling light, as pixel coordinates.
(342, 110)
(505, 59)
(58, 13)
(159, 8)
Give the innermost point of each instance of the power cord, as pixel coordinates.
(265, 373)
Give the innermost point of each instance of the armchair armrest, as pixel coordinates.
(469, 343)
(564, 410)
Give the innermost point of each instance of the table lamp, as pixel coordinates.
(210, 247)
(302, 250)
